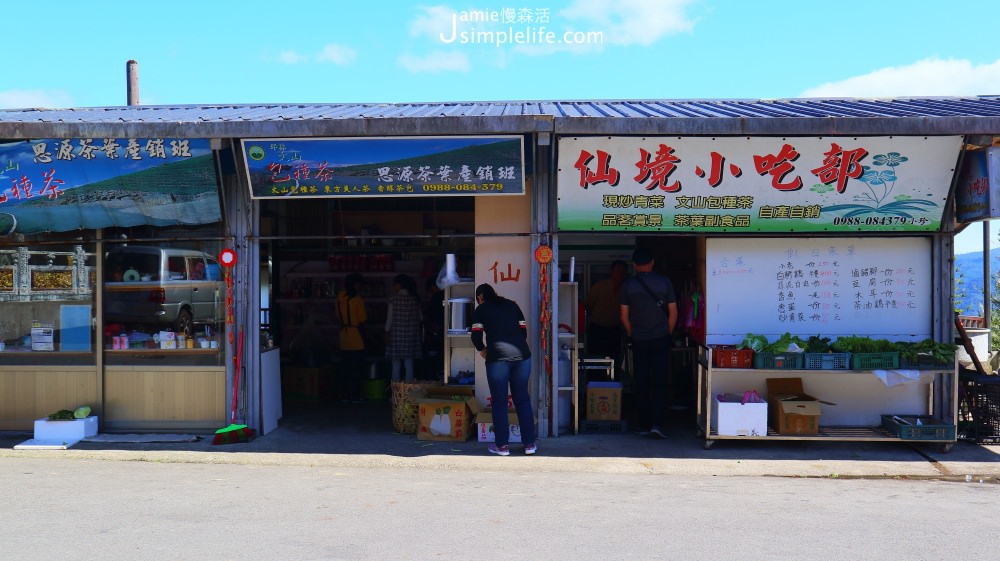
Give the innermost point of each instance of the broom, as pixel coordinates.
(234, 433)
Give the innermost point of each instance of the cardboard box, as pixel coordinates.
(304, 382)
(446, 413)
(732, 417)
(791, 410)
(484, 427)
(604, 401)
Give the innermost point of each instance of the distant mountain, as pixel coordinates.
(969, 280)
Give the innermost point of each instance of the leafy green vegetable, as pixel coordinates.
(941, 353)
(81, 412)
(62, 415)
(783, 343)
(854, 344)
(817, 344)
(755, 342)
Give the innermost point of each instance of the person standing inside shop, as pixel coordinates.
(434, 331)
(648, 315)
(352, 316)
(402, 327)
(604, 323)
(508, 365)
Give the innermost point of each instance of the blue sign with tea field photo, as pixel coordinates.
(61, 185)
(385, 167)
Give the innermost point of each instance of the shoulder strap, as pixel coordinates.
(659, 301)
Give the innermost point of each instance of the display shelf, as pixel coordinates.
(857, 399)
(459, 352)
(565, 385)
(310, 287)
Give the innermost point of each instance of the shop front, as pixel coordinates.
(111, 292)
(727, 196)
(765, 237)
(440, 214)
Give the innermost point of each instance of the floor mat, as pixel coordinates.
(142, 438)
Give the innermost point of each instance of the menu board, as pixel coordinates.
(874, 287)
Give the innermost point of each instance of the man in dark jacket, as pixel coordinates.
(649, 314)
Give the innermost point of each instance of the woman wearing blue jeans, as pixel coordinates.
(508, 364)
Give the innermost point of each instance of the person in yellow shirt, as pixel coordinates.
(352, 316)
(604, 324)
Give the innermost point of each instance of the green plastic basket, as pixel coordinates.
(906, 427)
(874, 361)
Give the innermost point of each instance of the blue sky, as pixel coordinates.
(74, 54)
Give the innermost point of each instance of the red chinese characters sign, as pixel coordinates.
(755, 184)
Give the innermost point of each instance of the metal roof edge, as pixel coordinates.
(379, 126)
(771, 126)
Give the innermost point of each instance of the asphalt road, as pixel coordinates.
(57, 508)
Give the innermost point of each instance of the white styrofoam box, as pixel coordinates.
(739, 419)
(64, 431)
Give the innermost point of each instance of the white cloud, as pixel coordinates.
(337, 54)
(437, 61)
(928, 77)
(291, 57)
(23, 99)
(631, 22)
(434, 21)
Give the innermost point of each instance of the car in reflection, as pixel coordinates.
(168, 288)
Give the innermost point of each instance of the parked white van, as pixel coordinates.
(164, 287)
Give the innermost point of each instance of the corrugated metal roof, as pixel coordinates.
(920, 116)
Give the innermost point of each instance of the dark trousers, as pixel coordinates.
(651, 376)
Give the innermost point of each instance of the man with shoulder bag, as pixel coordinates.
(649, 314)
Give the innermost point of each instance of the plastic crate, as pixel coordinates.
(731, 357)
(873, 361)
(827, 361)
(985, 408)
(778, 361)
(925, 362)
(906, 427)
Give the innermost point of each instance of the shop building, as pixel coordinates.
(305, 194)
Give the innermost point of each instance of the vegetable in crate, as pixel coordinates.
(817, 344)
(755, 342)
(784, 343)
(940, 353)
(854, 344)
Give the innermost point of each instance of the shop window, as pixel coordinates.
(47, 293)
(169, 310)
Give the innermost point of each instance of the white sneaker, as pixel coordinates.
(499, 450)
(530, 449)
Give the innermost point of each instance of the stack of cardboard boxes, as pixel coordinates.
(789, 410)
